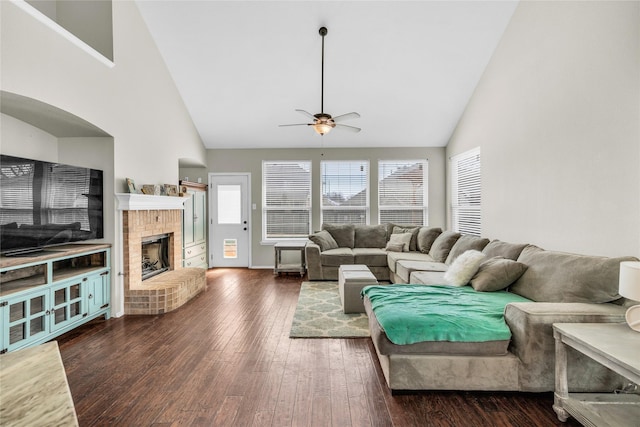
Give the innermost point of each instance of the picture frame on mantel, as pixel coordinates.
(131, 185)
(171, 190)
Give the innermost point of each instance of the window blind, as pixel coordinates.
(466, 194)
(345, 192)
(286, 199)
(402, 191)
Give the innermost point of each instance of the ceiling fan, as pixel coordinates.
(323, 122)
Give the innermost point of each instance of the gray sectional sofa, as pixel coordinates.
(562, 288)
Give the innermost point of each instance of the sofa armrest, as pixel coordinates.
(531, 325)
(314, 264)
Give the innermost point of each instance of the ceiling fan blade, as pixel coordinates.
(347, 116)
(308, 114)
(297, 124)
(347, 128)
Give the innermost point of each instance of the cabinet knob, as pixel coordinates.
(90, 296)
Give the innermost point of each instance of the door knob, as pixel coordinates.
(244, 222)
(245, 229)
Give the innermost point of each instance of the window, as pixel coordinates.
(286, 199)
(402, 191)
(345, 192)
(466, 192)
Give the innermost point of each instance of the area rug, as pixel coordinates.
(319, 314)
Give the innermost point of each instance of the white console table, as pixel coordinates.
(613, 345)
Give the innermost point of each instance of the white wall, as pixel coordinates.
(557, 117)
(135, 100)
(220, 161)
(20, 139)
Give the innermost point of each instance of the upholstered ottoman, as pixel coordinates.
(351, 279)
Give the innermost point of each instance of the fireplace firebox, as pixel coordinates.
(155, 255)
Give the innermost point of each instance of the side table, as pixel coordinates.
(279, 267)
(613, 345)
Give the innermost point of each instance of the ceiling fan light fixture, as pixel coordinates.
(322, 128)
(323, 122)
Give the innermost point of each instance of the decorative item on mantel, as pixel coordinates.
(629, 287)
(170, 190)
(131, 186)
(151, 189)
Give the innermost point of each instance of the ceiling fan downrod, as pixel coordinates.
(323, 32)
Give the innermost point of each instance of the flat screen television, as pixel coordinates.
(44, 204)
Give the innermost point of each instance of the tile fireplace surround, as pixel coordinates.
(144, 216)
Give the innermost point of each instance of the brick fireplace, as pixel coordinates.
(165, 291)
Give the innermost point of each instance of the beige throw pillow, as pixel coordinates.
(402, 238)
(394, 247)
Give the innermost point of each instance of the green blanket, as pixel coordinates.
(414, 313)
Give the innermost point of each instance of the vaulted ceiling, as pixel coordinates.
(409, 68)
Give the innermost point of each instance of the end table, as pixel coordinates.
(279, 267)
(613, 345)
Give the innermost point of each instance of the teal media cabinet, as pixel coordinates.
(50, 293)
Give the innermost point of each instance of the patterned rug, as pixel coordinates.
(319, 314)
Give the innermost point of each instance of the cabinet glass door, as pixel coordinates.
(27, 319)
(67, 303)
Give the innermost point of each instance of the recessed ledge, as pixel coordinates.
(145, 202)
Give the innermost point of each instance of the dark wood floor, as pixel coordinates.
(226, 359)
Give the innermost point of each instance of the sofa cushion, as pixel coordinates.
(405, 267)
(464, 268)
(413, 245)
(466, 243)
(344, 234)
(371, 257)
(442, 245)
(426, 237)
(563, 277)
(506, 250)
(370, 236)
(496, 274)
(401, 238)
(337, 257)
(394, 257)
(324, 239)
(427, 278)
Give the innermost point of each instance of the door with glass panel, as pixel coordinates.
(229, 239)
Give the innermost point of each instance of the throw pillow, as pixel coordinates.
(324, 239)
(394, 247)
(464, 268)
(402, 238)
(426, 237)
(466, 243)
(497, 273)
(442, 245)
(503, 249)
(343, 234)
(413, 245)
